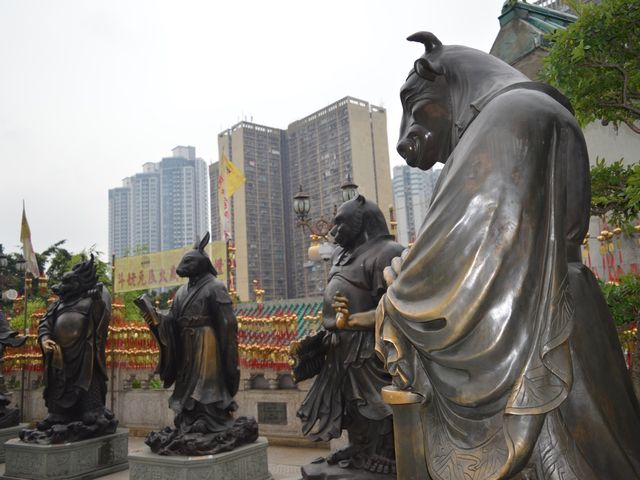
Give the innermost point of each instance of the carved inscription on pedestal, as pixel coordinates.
(272, 413)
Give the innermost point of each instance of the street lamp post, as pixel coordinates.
(319, 229)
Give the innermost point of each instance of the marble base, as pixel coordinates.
(248, 462)
(324, 471)
(9, 433)
(69, 461)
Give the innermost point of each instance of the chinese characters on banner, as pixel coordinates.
(156, 270)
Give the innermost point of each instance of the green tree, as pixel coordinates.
(56, 259)
(615, 193)
(595, 62)
(623, 299)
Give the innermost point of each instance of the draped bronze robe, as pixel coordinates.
(492, 319)
(82, 363)
(199, 354)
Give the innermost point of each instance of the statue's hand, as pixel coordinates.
(392, 271)
(49, 345)
(341, 306)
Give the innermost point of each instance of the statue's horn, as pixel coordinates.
(428, 39)
(424, 67)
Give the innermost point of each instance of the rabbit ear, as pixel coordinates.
(204, 241)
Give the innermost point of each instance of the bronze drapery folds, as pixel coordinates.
(199, 356)
(346, 391)
(73, 337)
(490, 316)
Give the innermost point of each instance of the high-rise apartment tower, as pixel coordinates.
(318, 153)
(163, 207)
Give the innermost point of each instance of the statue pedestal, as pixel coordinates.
(248, 462)
(9, 433)
(70, 461)
(323, 471)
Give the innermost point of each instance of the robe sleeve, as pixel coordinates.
(227, 332)
(166, 334)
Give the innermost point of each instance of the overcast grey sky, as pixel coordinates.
(91, 90)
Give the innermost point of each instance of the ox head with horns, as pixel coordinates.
(425, 131)
(445, 90)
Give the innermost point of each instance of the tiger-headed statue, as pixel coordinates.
(346, 392)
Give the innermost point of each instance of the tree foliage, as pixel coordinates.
(615, 193)
(595, 62)
(623, 299)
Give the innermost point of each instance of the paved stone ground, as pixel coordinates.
(284, 462)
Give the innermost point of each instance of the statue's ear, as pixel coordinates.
(426, 69)
(361, 200)
(204, 241)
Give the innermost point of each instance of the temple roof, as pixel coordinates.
(523, 29)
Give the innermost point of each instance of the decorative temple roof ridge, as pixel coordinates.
(543, 18)
(524, 29)
(274, 307)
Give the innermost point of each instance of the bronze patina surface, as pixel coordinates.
(9, 416)
(73, 337)
(199, 357)
(346, 392)
(491, 317)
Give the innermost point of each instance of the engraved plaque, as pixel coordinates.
(106, 453)
(272, 413)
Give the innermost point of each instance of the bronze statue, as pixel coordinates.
(9, 416)
(346, 392)
(73, 336)
(491, 317)
(199, 354)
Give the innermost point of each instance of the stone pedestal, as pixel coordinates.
(248, 462)
(323, 471)
(9, 433)
(70, 461)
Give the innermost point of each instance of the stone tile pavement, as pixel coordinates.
(284, 462)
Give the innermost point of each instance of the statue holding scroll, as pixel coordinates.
(199, 356)
(491, 317)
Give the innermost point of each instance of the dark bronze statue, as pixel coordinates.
(199, 354)
(9, 416)
(73, 336)
(346, 392)
(491, 317)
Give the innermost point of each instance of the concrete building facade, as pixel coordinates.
(258, 221)
(412, 192)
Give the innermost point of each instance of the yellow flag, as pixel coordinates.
(27, 247)
(233, 176)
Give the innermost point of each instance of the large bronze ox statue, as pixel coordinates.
(491, 318)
